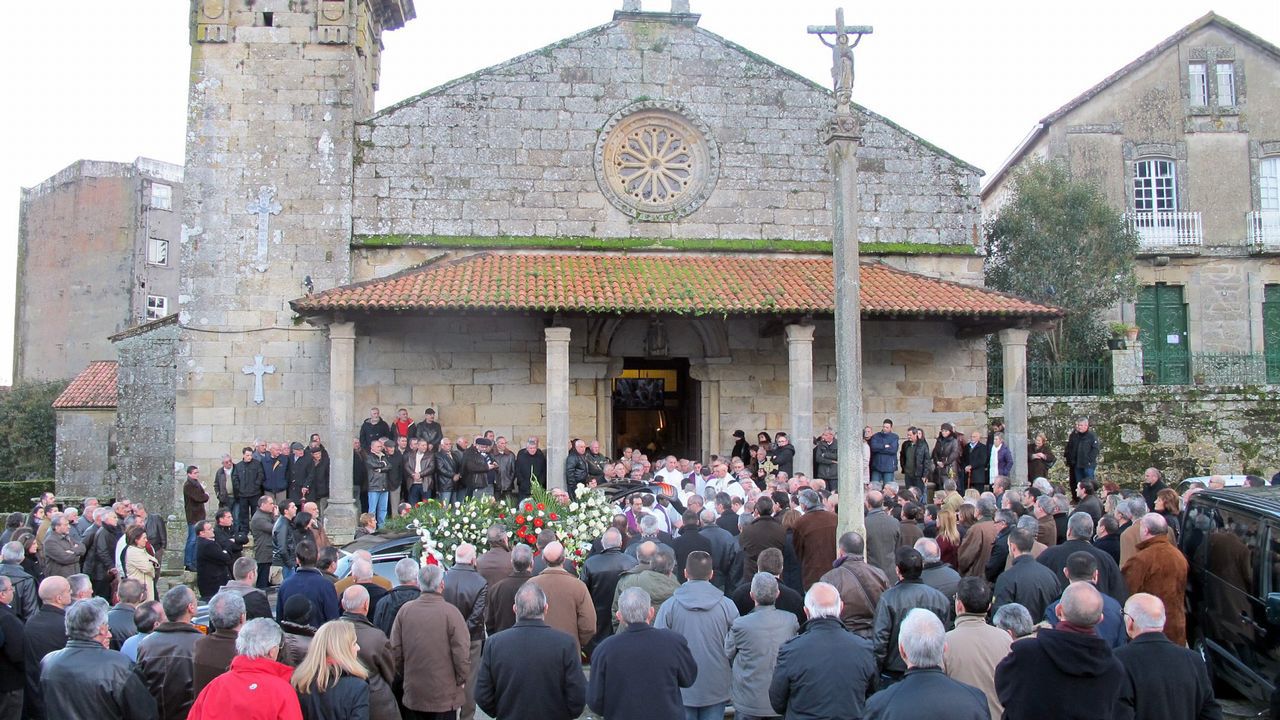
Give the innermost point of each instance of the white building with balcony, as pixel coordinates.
(1185, 142)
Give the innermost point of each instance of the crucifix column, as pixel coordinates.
(340, 518)
(1013, 345)
(842, 135)
(557, 404)
(800, 390)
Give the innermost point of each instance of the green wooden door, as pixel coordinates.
(1271, 331)
(1162, 317)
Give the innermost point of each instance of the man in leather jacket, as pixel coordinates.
(88, 681)
(825, 458)
(601, 573)
(895, 603)
(576, 467)
(467, 590)
(165, 661)
(448, 472)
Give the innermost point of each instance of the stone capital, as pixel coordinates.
(799, 333)
(1013, 336)
(342, 331)
(557, 334)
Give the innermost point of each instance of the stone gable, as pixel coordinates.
(512, 150)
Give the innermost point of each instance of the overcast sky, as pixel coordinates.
(108, 81)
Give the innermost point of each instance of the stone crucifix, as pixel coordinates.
(264, 207)
(257, 370)
(841, 56)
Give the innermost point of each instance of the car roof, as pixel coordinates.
(376, 544)
(1263, 500)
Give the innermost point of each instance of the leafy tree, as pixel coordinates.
(27, 430)
(1057, 241)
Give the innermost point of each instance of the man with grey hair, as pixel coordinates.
(1006, 521)
(500, 597)
(165, 657)
(373, 651)
(1046, 527)
(120, 618)
(975, 549)
(24, 586)
(87, 676)
(406, 590)
(936, 574)
(1079, 532)
(806, 683)
(1163, 681)
(362, 571)
(495, 563)
(600, 573)
(725, 551)
(256, 685)
(661, 657)
(1160, 568)
(212, 653)
(658, 580)
(859, 583)
(814, 537)
(81, 587)
(531, 670)
(467, 590)
(1130, 536)
(1028, 523)
(244, 573)
(1070, 659)
(62, 550)
(921, 640)
(752, 648)
(1015, 620)
(11, 646)
(431, 644)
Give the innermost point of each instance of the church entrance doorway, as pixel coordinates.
(656, 407)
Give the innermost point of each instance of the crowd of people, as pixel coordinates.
(715, 586)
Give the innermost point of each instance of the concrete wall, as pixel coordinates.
(488, 373)
(82, 262)
(1147, 112)
(84, 455)
(1185, 432)
(511, 150)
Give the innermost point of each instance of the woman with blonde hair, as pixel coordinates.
(138, 563)
(331, 682)
(948, 538)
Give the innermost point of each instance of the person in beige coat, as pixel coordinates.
(138, 563)
(974, 648)
(569, 606)
(431, 645)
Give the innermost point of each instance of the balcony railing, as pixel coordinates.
(1264, 229)
(1167, 229)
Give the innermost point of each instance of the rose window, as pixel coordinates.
(653, 163)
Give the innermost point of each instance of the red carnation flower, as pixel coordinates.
(541, 506)
(554, 517)
(520, 519)
(528, 507)
(537, 522)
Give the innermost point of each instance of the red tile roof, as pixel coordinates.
(95, 387)
(685, 284)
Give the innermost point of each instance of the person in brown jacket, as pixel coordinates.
(374, 653)
(1160, 569)
(212, 653)
(495, 563)
(765, 531)
(975, 549)
(569, 606)
(1046, 526)
(860, 585)
(814, 537)
(431, 645)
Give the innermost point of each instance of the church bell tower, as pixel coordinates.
(277, 87)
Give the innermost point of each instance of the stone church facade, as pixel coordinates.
(623, 236)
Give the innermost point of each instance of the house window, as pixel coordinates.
(158, 251)
(1269, 184)
(157, 307)
(161, 196)
(1226, 76)
(1198, 75)
(1155, 187)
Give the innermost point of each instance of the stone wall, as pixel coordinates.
(512, 149)
(85, 452)
(144, 425)
(488, 373)
(1185, 432)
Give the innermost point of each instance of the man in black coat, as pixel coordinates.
(530, 669)
(600, 573)
(373, 428)
(925, 685)
(689, 539)
(726, 518)
(247, 478)
(806, 683)
(531, 466)
(45, 632)
(120, 617)
(1162, 681)
(1079, 530)
(1081, 453)
(1026, 582)
(11, 648)
(783, 453)
(977, 466)
(213, 562)
(1063, 672)
(725, 552)
(637, 674)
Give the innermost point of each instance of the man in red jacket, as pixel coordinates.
(257, 687)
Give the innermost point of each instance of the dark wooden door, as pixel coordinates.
(1162, 318)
